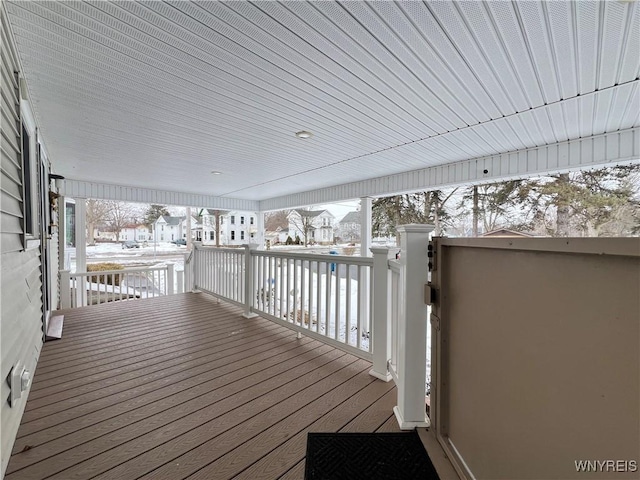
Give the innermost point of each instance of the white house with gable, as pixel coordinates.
(318, 225)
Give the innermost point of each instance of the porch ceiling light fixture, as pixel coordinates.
(304, 134)
(215, 172)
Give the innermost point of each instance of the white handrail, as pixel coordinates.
(319, 295)
(81, 289)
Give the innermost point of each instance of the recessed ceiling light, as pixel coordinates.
(215, 172)
(304, 134)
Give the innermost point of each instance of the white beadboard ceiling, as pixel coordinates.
(157, 94)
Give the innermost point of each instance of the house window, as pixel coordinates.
(162, 227)
(162, 237)
(241, 220)
(252, 235)
(211, 235)
(172, 237)
(233, 234)
(26, 186)
(251, 220)
(233, 219)
(242, 235)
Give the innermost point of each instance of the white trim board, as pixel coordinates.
(83, 189)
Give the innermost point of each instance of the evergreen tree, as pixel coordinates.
(153, 213)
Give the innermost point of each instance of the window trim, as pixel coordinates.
(30, 233)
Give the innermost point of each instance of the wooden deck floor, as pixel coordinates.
(183, 387)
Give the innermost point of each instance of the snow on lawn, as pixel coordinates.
(273, 298)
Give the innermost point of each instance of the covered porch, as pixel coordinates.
(183, 386)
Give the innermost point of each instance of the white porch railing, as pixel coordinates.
(372, 307)
(327, 297)
(80, 289)
(220, 272)
(320, 295)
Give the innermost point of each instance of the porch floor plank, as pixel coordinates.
(183, 386)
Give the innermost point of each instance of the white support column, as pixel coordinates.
(193, 276)
(81, 250)
(365, 226)
(249, 293)
(65, 289)
(412, 329)
(381, 314)
(62, 233)
(170, 280)
(259, 239)
(180, 279)
(365, 244)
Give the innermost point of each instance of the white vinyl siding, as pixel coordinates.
(11, 197)
(20, 271)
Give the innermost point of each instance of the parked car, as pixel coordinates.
(180, 241)
(130, 244)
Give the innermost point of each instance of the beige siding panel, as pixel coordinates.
(574, 348)
(21, 339)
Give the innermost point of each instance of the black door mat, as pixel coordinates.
(370, 456)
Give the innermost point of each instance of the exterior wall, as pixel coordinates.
(164, 232)
(541, 359)
(21, 295)
(349, 232)
(226, 228)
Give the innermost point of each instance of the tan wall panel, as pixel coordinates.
(544, 361)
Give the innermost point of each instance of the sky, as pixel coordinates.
(339, 210)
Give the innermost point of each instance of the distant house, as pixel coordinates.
(196, 229)
(138, 232)
(349, 228)
(167, 229)
(318, 223)
(236, 227)
(103, 233)
(505, 232)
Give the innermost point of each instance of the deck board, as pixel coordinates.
(183, 386)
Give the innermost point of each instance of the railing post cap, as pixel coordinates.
(415, 228)
(379, 250)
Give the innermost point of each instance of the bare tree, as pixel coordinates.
(97, 214)
(276, 219)
(120, 215)
(303, 223)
